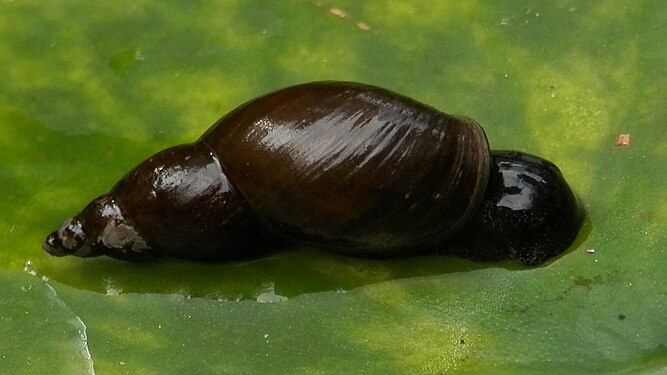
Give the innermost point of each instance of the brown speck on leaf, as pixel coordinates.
(338, 12)
(363, 26)
(621, 316)
(623, 140)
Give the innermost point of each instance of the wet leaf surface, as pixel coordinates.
(91, 89)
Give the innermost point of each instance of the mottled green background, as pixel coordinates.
(89, 89)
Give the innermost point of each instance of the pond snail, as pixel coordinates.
(343, 166)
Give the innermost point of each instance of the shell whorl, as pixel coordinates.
(353, 167)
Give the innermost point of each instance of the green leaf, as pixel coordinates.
(89, 89)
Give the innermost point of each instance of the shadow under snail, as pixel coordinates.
(343, 166)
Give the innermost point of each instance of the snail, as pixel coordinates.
(343, 166)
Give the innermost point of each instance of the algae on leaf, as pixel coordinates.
(90, 89)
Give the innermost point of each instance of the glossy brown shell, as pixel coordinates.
(353, 167)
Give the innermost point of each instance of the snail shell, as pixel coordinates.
(344, 166)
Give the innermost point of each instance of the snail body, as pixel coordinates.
(344, 166)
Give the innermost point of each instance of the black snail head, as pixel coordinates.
(528, 212)
(343, 166)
